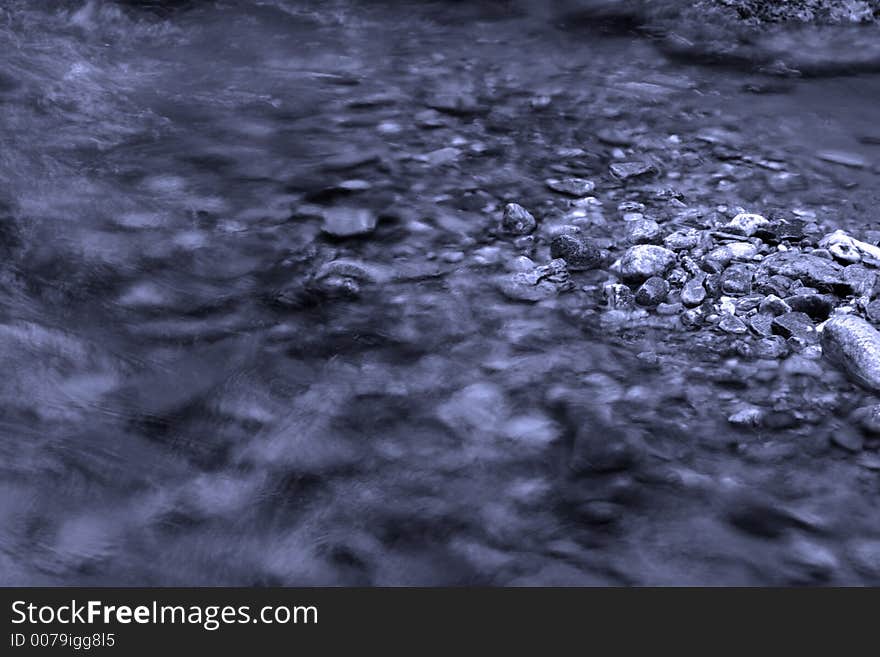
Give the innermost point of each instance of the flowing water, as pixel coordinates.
(187, 399)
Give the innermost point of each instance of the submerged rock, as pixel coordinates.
(571, 186)
(578, 253)
(854, 345)
(517, 220)
(544, 282)
(348, 222)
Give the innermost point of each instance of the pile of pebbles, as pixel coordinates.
(776, 287)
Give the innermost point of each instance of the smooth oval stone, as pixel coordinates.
(693, 293)
(578, 253)
(854, 345)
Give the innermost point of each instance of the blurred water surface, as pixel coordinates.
(189, 397)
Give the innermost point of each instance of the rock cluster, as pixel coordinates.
(774, 287)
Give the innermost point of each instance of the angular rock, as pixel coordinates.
(692, 318)
(762, 325)
(771, 347)
(578, 253)
(811, 270)
(854, 345)
(746, 224)
(788, 230)
(627, 170)
(872, 311)
(682, 240)
(652, 292)
(641, 262)
(848, 249)
(860, 279)
(724, 255)
(776, 285)
(773, 306)
(732, 324)
(737, 279)
(747, 303)
(544, 282)
(618, 296)
(517, 220)
(795, 325)
(750, 416)
(642, 231)
(571, 186)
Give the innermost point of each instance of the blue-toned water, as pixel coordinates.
(199, 387)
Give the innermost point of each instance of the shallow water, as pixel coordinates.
(186, 399)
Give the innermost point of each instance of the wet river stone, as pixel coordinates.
(652, 292)
(693, 293)
(773, 305)
(795, 325)
(806, 267)
(746, 224)
(571, 186)
(872, 311)
(640, 263)
(737, 279)
(544, 282)
(627, 170)
(517, 220)
(642, 231)
(682, 240)
(717, 259)
(861, 280)
(618, 296)
(578, 253)
(732, 324)
(854, 345)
